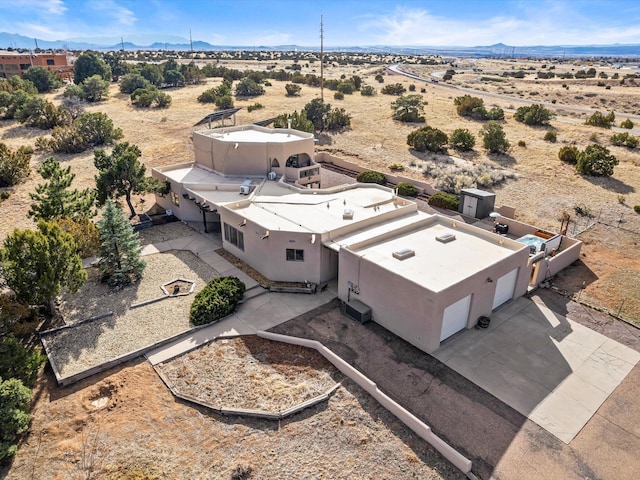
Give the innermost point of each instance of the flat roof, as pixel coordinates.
(438, 265)
(318, 211)
(256, 134)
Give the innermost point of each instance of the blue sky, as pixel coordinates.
(347, 23)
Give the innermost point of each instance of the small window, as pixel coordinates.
(25, 66)
(294, 255)
(234, 236)
(175, 199)
(275, 163)
(50, 61)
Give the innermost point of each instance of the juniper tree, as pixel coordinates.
(120, 262)
(54, 199)
(38, 265)
(120, 173)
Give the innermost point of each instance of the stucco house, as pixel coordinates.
(423, 277)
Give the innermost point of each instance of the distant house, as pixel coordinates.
(17, 63)
(423, 277)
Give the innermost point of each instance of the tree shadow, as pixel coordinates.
(503, 159)
(324, 139)
(610, 183)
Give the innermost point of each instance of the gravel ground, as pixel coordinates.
(258, 374)
(163, 233)
(77, 349)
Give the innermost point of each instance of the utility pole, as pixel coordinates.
(122, 42)
(36, 40)
(321, 60)
(191, 42)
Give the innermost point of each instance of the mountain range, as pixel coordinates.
(149, 42)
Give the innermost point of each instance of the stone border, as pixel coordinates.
(169, 294)
(406, 417)
(101, 367)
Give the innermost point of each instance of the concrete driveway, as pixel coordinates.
(554, 371)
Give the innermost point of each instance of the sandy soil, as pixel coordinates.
(125, 424)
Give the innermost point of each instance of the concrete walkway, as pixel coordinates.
(553, 370)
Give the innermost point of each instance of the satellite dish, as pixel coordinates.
(494, 215)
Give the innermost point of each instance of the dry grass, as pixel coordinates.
(144, 433)
(251, 373)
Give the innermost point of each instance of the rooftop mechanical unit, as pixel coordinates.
(358, 311)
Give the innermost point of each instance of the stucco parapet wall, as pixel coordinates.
(254, 134)
(414, 423)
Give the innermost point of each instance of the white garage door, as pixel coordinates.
(455, 317)
(504, 288)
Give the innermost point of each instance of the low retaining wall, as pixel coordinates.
(246, 412)
(406, 417)
(423, 187)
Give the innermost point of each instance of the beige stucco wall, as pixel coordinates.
(268, 256)
(413, 312)
(248, 158)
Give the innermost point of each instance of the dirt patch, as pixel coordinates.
(251, 373)
(144, 433)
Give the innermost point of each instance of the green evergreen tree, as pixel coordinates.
(120, 262)
(14, 415)
(120, 173)
(39, 265)
(54, 199)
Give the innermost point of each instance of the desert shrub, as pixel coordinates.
(624, 140)
(379, 78)
(224, 102)
(393, 89)
(596, 161)
(4, 195)
(468, 106)
(407, 189)
(550, 136)
(444, 200)
(332, 84)
(462, 140)
(216, 300)
(299, 121)
(292, 89)
(627, 123)
(494, 138)
(18, 362)
(14, 416)
(600, 120)
(255, 106)
(130, 82)
(593, 138)
(14, 314)
(533, 115)
(40, 113)
(249, 88)
(85, 234)
(522, 143)
(208, 96)
(338, 96)
(495, 113)
(636, 208)
(337, 119)
(371, 177)
(408, 108)
(396, 167)
(427, 138)
(367, 91)
(412, 88)
(568, 154)
(14, 165)
(150, 96)
(451, 177)
(346, 88)
(582, 210)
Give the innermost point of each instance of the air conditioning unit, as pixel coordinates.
(358, 311)
(245, 189)
(272, 175)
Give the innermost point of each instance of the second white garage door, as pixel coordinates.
(505, 287)
(455, 317)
